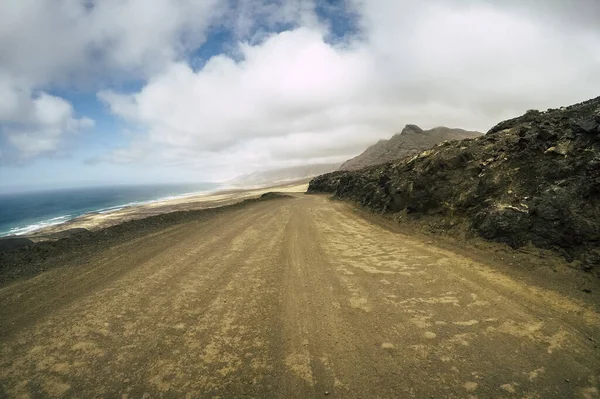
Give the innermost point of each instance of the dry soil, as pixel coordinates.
(288, 298)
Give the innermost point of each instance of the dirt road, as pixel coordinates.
(290, 298)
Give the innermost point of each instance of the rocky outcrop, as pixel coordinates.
(532, 179)
(410, 141)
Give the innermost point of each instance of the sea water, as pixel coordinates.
(24, 213)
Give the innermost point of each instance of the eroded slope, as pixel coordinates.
(532, 179)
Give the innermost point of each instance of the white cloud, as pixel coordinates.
(65, 43)
(37, 125)
(285, 85)
(34, 123)
(55, 42)
(291, 97)
(253, 19)
(478, 56)
(295, 98)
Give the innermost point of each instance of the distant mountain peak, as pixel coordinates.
(412, 129)
(410, 141)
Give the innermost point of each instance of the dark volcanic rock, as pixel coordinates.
(273, 195)
(13, 242)
(532, 179)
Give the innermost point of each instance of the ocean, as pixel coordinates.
(23, 213)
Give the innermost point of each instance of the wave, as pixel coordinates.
(30, 228)
(17, 231)
(148, 202)
(179, 196)
(153, 201)
(109, 210)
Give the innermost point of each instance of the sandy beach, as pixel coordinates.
(95, 221)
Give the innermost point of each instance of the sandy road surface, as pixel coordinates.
(290, 298)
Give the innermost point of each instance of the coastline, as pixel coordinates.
(104, 218)
(75, 242)
(27, 212)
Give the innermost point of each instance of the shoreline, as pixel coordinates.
(75, 247)
(104, 218)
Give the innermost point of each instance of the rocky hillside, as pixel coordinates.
(532, 179)
(410, 141)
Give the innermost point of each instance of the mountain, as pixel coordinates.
(410, 141)
(276, 176)
(534, 179)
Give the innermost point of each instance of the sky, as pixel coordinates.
(135, 91)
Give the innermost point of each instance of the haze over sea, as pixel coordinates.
(25, 212)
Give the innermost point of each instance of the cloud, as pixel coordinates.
(252, 20)
(287, 90)
(478, 55)
(294, 97)
(285, 85)
(55, 42)
(37, 124)
(64, 43)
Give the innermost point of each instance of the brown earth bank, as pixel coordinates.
(294, 297)
(532, 180)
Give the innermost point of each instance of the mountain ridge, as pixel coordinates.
(411, 140)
